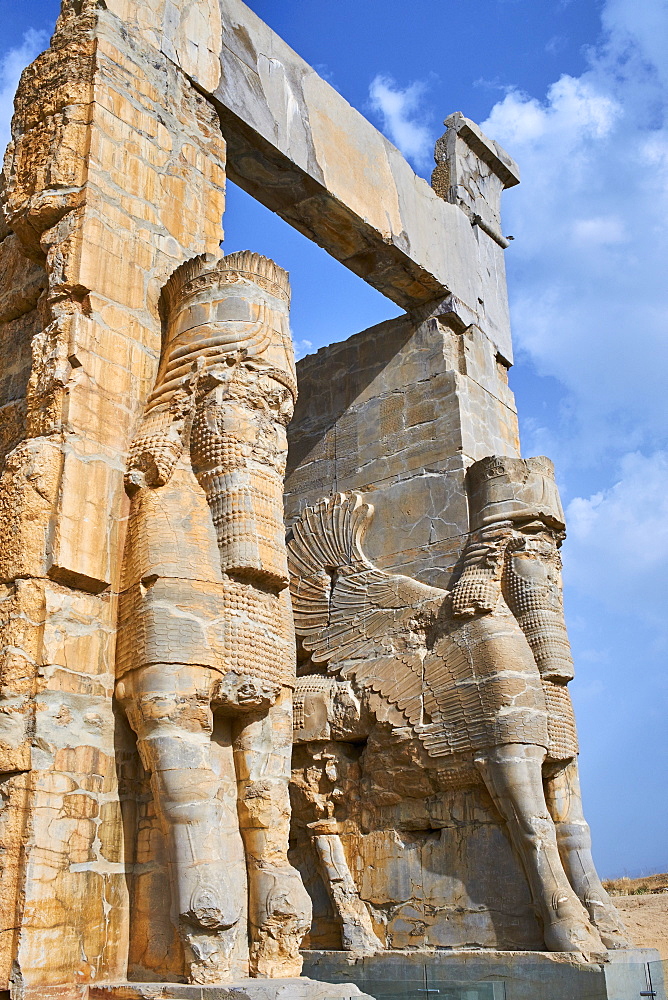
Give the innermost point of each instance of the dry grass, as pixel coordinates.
(643, 906)
(648, 884)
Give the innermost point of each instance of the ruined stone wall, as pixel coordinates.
(21, 285)
(115, 175)
(430, 880)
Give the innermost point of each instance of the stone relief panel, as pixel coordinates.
(413, 697)
(206, 653)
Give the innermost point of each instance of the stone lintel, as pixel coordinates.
(263, 171)
(296, 145)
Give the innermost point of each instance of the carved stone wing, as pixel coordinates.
(365, 623)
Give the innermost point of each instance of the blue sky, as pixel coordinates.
(576, 91)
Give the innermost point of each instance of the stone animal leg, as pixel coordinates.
(279, 906)
(564, 800)
(168, 707)
(357, 933)
(513, 776)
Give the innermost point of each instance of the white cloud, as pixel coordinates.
(617, 549)
(599, 231)
(587, 270)
(302, 348)
(12, 64)
(641, 29)
(400, 110)
(589, 308)
(555, 44)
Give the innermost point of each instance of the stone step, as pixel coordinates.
(244, 989)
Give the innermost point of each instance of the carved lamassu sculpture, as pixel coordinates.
(472, 683)
(206, 631)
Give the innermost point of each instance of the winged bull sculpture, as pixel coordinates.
(477, 674)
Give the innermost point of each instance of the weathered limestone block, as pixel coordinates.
(521, 974)
(189, 35)
(205, 621)
(74, 780)
(15, 794)
(22, 614)
(44, 170)
(56, 699)
(293, 141)
(22, 285)
(456, 689)
(123, 200)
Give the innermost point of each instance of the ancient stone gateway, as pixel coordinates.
(161, 639)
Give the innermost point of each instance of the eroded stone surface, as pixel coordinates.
(292, 139)
(94, 191)
(523, 975)
(400, 411)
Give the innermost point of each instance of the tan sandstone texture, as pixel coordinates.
(161, 646)
(205, 624)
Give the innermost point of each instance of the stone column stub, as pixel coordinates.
(471, 172)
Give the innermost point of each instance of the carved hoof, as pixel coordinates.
(605, 918)
(287, 896)
(208, 957)
(239, 691)
(281, 918)
(208, 910)
(568, 929)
